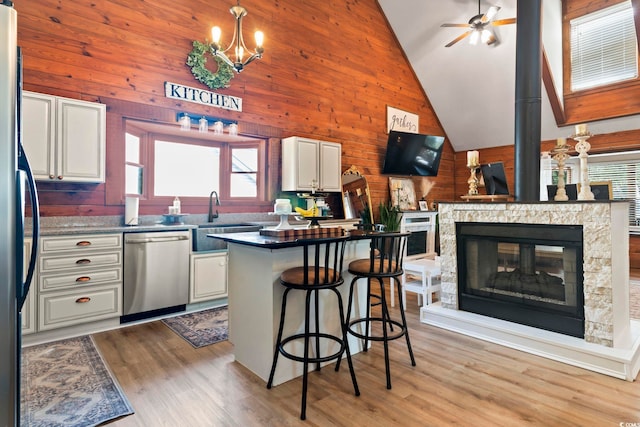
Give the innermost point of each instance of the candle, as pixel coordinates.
(472, 158)
(581, 129)
(358, 192)
(561, 142)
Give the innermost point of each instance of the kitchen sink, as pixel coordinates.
(203, 243)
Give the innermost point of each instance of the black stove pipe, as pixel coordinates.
(528, 101)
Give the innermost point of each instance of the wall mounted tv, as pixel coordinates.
(412, 154)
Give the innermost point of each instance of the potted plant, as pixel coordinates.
(390, 216)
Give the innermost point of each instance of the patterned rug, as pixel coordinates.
(66, 383)
(201, 328)
(634, 299)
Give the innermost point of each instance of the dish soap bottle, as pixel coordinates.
(176, 205)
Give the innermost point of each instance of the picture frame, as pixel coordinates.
(423, 205)
(402, 121)
(602, 190)
(403, 193)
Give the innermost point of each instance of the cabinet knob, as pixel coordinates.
(82, 300)
(52, 176)
(83, 243)
(59, 176)
(83, 279)
(83, 261)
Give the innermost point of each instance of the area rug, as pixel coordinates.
(201, 328)
(634, 299)
(66, 383)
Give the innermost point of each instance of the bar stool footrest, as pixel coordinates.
(312, 336)
(402, 330)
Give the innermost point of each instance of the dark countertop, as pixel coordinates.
(257, 240)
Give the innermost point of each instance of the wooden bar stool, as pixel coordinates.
(321, 271)
(384, 262)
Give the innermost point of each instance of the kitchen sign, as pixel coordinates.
(204, 97)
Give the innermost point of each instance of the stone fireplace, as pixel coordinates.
(584, 249)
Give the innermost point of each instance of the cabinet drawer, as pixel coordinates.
(81, 243)
(66, 309)
(79, 279)
(80, 261)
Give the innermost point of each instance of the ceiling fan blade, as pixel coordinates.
(455, 25)
(491, 13)
(504, 21)
(457, 39)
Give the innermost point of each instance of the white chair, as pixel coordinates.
(429, 272)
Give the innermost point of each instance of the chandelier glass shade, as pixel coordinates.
(234, 54)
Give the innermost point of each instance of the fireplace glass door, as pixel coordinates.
(525, 273)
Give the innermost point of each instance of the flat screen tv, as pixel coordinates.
(495, 180)
(412, 154)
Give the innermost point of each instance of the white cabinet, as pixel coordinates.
(310, 164)
(208, 278)
(64, 138)
(79, 279)
(29, 307)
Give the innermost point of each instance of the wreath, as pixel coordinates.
(197, 61)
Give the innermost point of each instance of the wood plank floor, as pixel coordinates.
(457, 381)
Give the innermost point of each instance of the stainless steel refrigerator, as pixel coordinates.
(16, 181)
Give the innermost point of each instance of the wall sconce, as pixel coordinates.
(186, 120)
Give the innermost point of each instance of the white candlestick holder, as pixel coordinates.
(583, 148)
(559, 154)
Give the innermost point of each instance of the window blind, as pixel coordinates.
(624, 175)
(603, 47)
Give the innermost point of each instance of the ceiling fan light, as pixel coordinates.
(474, 38)
(486, 36)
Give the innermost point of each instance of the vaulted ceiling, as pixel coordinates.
(472, 88)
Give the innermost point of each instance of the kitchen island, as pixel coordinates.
(255, 298)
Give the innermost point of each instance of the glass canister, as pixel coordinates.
(282, 206)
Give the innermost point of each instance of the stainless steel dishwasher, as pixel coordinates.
(156, 272)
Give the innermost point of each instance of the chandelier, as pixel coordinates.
(237, 43)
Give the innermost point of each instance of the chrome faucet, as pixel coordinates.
(211, 214)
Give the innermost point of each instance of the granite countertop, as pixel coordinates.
(105, 229)
(53, 226)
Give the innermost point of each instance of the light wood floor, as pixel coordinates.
(457, 381)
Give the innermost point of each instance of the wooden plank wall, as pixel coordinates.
(618, 141)
(329, 71)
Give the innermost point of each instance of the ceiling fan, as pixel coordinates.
(479, 27)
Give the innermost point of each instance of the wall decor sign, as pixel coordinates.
(204, 97)
(402, 121)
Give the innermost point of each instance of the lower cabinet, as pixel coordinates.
(208, 278)
(79, 279)
(29, 308)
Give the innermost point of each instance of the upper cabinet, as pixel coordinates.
(64, 138)
(311, 165)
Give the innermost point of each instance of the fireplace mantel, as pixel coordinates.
(608, 328)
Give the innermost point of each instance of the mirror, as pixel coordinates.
(356, 199)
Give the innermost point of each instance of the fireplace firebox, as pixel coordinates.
(530, 274)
